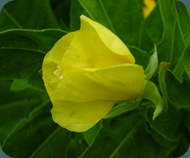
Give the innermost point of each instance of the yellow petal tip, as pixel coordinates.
(83, 17)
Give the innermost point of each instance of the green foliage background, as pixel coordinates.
(28, 30)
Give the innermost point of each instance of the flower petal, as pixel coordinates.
(89, 47)
(148, 6)
(86, 73)
(121, 82)
(51, 62)
(109, 39)
(79, 117)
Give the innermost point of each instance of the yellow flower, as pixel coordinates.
(86, 73)
(148, 6)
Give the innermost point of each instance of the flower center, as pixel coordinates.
(58, 72)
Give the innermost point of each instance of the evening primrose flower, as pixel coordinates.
(148, 6)
(86, 73)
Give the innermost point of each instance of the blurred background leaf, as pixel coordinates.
(174, 50)
(22, 53)
(27, 14)
(61, 10)
(126, 136)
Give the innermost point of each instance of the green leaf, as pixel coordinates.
(39, 41)
(152, 65)
(166, 130)
(23, 115)
(16, 105)
(123, 18)
(27, 14)
(167, 124)
(163, 67)
(178, 93)
(115, 135)
(121, 108)
(151, 30)
(76, 146)
(187, 65)
(172, 48)
(151, 93)
(61, 10)
(54, 145)
(141, 57)
(19, 85)
(22, 52)
(91, 134)
(38, 127)
(184, 20)
(127, 135)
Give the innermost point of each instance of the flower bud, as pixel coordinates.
(86, 73)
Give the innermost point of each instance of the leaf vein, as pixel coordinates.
(107, 16)
(125, 139)
(12, 18)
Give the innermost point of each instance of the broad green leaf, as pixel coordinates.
(13, 106)
(37, 125)
(19, 85)
(23, 115)
(166, 127)
(91, 134)
(178, 93)
(166, 130)
(126, 135)
(121, 17)
(172, 47)
(5, 91)
(121, 108)
(54, 146)
(27, 14)
(141, 57)
(187, 65)
(115, 135)
(184, 20)
(151, 30)
(76, 146)
(185, 27)
(39, 41)
(186, 122)
(61, 10)
(22, 52)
